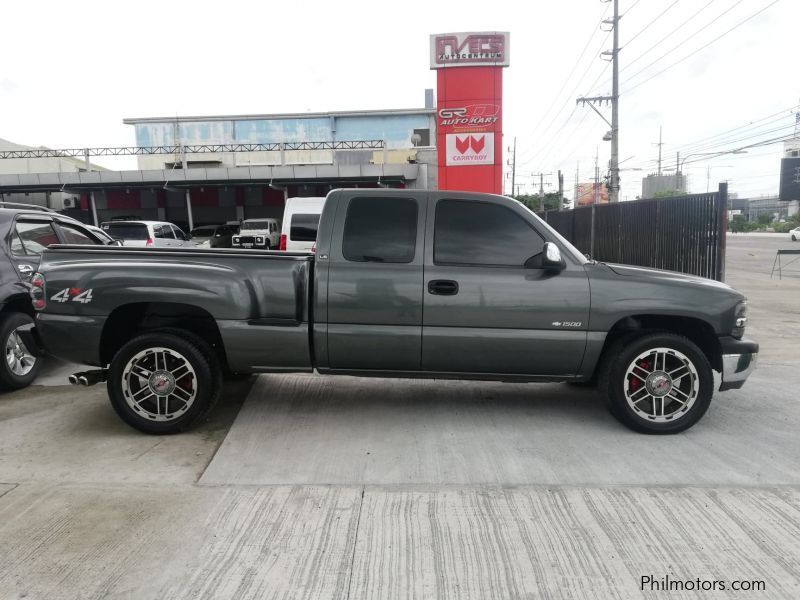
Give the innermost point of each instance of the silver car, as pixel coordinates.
(146, 234)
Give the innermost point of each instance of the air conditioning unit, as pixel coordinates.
(71, 202)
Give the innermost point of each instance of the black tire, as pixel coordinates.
(614, 375)
(206, 383)
(794, 238)
(9, 380)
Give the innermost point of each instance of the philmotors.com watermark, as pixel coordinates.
(666, 583)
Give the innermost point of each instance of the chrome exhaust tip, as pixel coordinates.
(73, 379)
(83, 380)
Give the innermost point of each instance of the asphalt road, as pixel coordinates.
(358, 488)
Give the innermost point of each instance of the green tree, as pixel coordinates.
(551, 201)
(764, 219)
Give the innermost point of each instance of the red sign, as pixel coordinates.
(469, 124)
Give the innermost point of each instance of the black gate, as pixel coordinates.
(681, 233)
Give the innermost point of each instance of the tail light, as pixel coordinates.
(282, 243)
(149, 242)
(37, 291)
(314, 248)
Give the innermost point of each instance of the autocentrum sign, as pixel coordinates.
(488, 48)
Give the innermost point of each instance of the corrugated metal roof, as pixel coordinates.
(306, 115)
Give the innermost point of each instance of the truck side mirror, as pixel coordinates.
(552, 259)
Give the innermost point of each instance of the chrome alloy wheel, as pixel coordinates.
(661, 385)
(159, 384)
(20, 360)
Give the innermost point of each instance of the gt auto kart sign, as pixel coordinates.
(469, 149)
(487, 48)
(473, 117)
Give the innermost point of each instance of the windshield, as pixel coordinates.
(203, 231)
(252, 225)
(126, 231)
(577, 254)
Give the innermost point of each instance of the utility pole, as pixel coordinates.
(596, 177)
(560, 190)
(613, 100)
(541, 177)
(514, 166)
(659, 144)
(577, 183)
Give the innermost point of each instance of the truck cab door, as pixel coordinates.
(489, 306)
(374, 293)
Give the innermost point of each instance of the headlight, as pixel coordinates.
(236, 240)
(740, 319)
(259, 240)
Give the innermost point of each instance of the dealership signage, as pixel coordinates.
(475, 117)
(469, 149)
(469, 109)
(488, 48)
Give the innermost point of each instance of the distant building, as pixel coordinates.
(753, 208)
(32, 166)
(655, 184)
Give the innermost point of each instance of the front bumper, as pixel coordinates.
(739, 358)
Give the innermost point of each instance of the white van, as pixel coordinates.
(300, 223)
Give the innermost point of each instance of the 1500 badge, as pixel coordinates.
(74, 294)
(567, 323)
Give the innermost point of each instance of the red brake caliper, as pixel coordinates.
(635, 382)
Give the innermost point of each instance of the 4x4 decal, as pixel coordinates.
(74, 294)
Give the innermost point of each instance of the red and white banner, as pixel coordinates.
(469, 149)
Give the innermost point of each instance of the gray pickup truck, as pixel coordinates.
(404, 283)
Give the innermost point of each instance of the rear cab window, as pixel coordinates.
(380, 230)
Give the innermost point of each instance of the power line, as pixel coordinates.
(646, 27)
(677, 62)
(556, 96)
(691, 36)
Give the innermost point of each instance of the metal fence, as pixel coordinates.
(682, 233)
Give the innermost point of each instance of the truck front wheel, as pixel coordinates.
(161, 383)
(658, 383)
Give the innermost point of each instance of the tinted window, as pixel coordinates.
(479, 233)
(163, 232)
(73, 235)
(303, 228)
(380, 230)
(254, 225)
(35, 237)
(205, 231)
(126, 231)
(178, 233)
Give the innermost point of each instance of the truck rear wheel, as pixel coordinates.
(657, 383)
(20, 367)
(161, 383)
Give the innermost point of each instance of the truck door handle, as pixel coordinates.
(26, 269)
(443, 287)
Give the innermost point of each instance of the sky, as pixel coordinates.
(71, 72)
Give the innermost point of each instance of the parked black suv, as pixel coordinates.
(26, 231)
